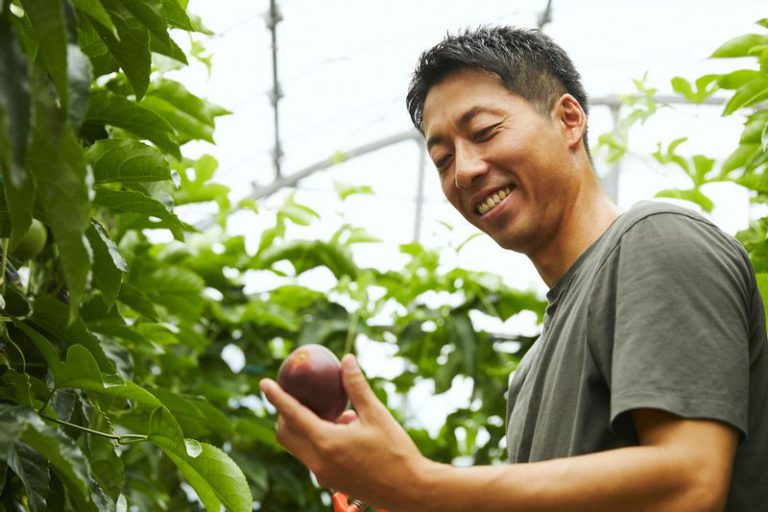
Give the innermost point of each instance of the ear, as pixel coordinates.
(572, 119)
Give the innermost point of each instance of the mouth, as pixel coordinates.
(492, 201)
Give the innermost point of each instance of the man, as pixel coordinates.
(647, 388)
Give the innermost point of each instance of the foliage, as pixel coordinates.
(745, 91)
(115, 388)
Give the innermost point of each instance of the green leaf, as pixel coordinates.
(127, 161)
(131, 46)
(344, 190)
(702, 165)
(108, 264)
(48, 25)
(736, 79)
(747, 95)
(81, 371)
(462, 335)
(79, 76)
(15, 111)
(693, 195)
(57, 162)
(305, 255)
(212, 474)
(32, 470)
(136, 300)
(187, 127)
(176, 288)
(740, 156)
(111, 109)
(95, 10)
(671, 156)
(177, 15)
(93, 46)
(51, 316)
(188, 113)
(739, 46)
(267, 313)
(23, 424)
(151, 14)
(762, 285)
(136, 202)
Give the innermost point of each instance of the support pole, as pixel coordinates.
(273, 17)
(420, 191)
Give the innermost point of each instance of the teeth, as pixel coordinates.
(492, 201)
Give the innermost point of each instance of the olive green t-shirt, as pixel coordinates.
(661, 312)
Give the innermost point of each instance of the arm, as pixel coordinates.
(680, 465)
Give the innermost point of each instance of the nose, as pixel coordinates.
(468, 164)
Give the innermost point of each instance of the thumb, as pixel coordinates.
(358, 390)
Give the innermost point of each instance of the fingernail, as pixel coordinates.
(349, 362)
(265, 385)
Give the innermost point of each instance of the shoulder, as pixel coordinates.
(663, 229)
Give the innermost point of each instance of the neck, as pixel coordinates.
(583, 222)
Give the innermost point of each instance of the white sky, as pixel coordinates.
(344, 67)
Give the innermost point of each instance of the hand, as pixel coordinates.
(364, 453)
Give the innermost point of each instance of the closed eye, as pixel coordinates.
(485, 134)
(442, 162)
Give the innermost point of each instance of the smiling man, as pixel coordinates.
(647, 387)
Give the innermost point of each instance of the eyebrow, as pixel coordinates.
(464, 120)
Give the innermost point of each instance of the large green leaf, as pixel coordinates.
(137, 300)
(95, 10)
(131, 46)
(108, 264)
(14, 130)
(57, 162)
(51, 315)
(23, 424)
(79, 75)
(81, 371)
(693, 195)
(212, 474)
(127, 161)
(152, 15)
(93, 46)
(32, 470)
(747, 95)
(135, 202)
(739, 46)
(50, 33)
(176, 288)
(305, 255)
(111, 109)
(192, 116)
(176, 15)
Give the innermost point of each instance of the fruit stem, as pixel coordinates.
(351, 333)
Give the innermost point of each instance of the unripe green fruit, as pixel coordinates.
(32, 242)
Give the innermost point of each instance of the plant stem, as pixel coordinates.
(6, 242)
(122, 439)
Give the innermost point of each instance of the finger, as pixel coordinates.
(358, 390)
(346, 417)
(293, 412)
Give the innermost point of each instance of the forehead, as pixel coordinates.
(461, 92)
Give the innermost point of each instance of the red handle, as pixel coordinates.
(341, 504)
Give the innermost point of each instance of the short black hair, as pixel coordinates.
(528, 62)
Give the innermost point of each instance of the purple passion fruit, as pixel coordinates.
(312, 375)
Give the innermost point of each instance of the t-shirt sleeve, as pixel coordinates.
(681, 323)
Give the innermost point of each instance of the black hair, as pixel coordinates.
(528, 62)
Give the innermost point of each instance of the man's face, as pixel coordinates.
(503, 165)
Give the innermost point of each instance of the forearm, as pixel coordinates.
(636, 478)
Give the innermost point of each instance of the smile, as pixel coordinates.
(489, 203)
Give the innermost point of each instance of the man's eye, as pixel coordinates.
(484, 134)
(440, 163)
